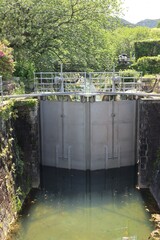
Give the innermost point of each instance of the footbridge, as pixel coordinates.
(82, 82)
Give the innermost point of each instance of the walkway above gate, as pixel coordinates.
(82, 82)
(98, 135)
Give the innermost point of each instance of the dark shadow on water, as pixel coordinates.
(91, 188)
(75, 182)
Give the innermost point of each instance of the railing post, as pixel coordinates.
(36, 82)
(41, 80)
(113, 79)
(85, 82)
(62, 80)
(90, 82)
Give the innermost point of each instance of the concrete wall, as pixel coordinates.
(97, 135)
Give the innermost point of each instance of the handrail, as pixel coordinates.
(83, 82)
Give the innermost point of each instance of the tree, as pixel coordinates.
(124, 38)
(56, 30)
(6, 61)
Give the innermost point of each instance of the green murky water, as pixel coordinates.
(77, 205)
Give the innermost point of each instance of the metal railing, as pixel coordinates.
(1, 90)
(82, 82)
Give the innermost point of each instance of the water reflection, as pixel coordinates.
(78, 205)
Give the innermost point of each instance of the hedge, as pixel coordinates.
(147, 48)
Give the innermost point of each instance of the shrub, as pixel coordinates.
(25, 71)
(6, 61)
(148, 65)
(130, 73)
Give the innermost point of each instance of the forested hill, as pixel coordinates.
(148, 23)
(151, 23)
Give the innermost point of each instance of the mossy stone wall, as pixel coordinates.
(19, 158)
(149, 146)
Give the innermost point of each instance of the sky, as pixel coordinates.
(137, 10)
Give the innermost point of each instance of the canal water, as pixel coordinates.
(84, 205)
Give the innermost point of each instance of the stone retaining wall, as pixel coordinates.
(19, 159)
(149, 146)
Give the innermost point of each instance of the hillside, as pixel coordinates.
(150, 23)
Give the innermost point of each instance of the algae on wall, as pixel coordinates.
(19, 158)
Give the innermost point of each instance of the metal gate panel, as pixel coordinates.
(113, 146)
(74, 134)
(112, 134)
(63, 134)
(98, 135)
(51, 136)
(126, 111)
(113, 150)
(126, 131)
(98, 147)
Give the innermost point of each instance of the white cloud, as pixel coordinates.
(141, 9)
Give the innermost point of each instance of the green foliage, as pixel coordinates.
(26, 102)
(148, 65)
(147, 48)
(18, 199)
(25, 70)
(11, 154)
(6, 61)
(83, 35)
(11, 169)
(19, 164)
(129, 73)
(7, 112)
(17, 181)
(19, 89)
(123, 39)
(51, 31)
(152, 77)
